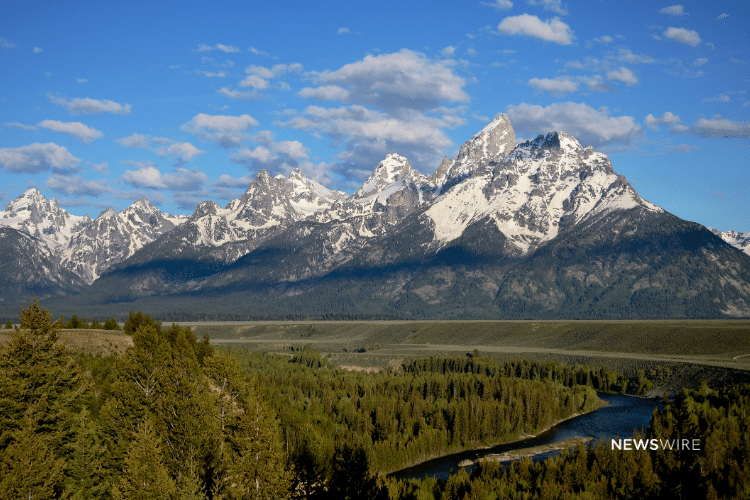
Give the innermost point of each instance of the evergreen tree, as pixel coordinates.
(29, 469)
(111, 324)
(33, 365)
(255, 464)
(144, 476)
(351, 478)
(135, 392)
(84, 464)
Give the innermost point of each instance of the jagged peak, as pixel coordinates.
(392, 168)
(500, 120)
(297, 173)
(554, 140)
(106, 213)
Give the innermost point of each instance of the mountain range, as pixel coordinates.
(541, 229)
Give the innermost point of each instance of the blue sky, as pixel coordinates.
(182, 102)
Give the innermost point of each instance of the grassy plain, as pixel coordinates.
(717, 351)
(89, 341)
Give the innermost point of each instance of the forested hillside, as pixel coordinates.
(171, 418)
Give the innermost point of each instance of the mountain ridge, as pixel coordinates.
(407, 243)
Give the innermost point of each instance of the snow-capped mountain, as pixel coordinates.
(28, 267)
(545, 228)
(35, 215)
(538, 189)
(269, 205)
(740, 241)
(84, 246)
(96, 245)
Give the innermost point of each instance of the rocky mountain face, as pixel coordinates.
(83, 246)
(545, 228)
(28, 268)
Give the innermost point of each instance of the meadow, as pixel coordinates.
(717, 351)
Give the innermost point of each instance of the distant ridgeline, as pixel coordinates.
(542, 229)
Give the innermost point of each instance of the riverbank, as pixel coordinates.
(522, 453)
(446, 455)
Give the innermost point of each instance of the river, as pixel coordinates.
(620, 416)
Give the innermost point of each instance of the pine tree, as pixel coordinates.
(255, 464)
(34, 365)
(144, 476)
(29, 469)
(84, 464)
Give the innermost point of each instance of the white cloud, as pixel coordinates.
(255, 82)
(183, 179)
(448, 51)
(85, 134)
(77, 185)
(81, 80)
(552, 30)
(144, 177)
(499, 4)
(722, 16)
(404, 79)
(135, 141)
(679, 129)
(595, 83)
(36, 158)
(666, 119)
(556, 87)
(179, 151)
(552, 5)
(366, 136)
(700, 62)
(6, 44)
(276, 157)
(102, 168)
(227, 48)
(325, 93)
(37, 50)
(721, 128)
(219, 46)
(227, 131)
(590, 126)
(674, 11)
(238, 94)
(624, 75)
(716, 127)
(19, 126)
(342, 31)
(471, 52)
(227, 181)
(211, 74)
(604, 39)
(257, 52)
(718, 98)
(261, 154)
(261, 71)
(89, 106)
(683, 35)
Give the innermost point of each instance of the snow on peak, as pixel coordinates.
(737, 239)
(106, 213)
(392, 169)
(491, 144)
